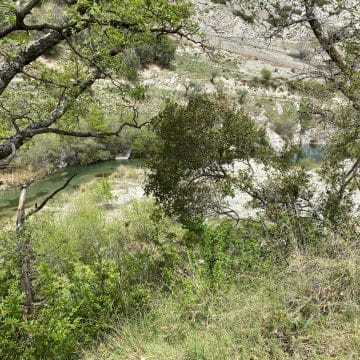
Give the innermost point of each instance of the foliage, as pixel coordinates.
(305, 116)
(228, 250)
(193, 174)
(283, 123)
(84, 281)
(308, 309)
(281, 285)
(266, 79)
(340, 44)
(161, 52)
(51, 151)
(199, 68)
(105, 39)
(91, 272)
(102, 190)
(143, 144)
(313, 88)
(195, 142)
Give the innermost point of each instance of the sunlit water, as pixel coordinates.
(40, 189)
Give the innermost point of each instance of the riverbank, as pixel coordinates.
(126, 183)
(47, 184)
(14, 177)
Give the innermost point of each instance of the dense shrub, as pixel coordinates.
(266, 79)
(144, 144)
(49, 152)
(161, 52)
(90, 272)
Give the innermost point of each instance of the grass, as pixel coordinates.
(308, 310)
(125, 172)
(310, 164)
(199, 68)
(14, 178)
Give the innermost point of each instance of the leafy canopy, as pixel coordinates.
(196, 145)
(54, 53)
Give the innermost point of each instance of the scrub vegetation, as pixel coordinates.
(226, 242)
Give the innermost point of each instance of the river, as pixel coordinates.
(40, 189)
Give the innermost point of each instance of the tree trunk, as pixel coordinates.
(25, 253)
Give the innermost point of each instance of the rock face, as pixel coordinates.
(125, 155)
(225, 31)
(275, 139)
(244, 48)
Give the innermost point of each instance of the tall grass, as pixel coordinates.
(138, 285)
(309, 310)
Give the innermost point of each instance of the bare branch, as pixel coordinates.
(48, 198)
(85, 134)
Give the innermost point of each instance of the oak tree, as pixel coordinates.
(53, 52)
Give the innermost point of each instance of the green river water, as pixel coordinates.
(40, 189)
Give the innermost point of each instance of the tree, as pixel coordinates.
(335, 25)
(288, 197)
(207, 152)
(190, 179)
(91, 41)
(197, 144)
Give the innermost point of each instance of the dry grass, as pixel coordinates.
(125, 172)
(17, 176)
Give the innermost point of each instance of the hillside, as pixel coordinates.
(179, 180)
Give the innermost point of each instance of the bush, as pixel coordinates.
(313, 88)
(144, 144)
(161, 52)
(305, 116)
(266, 79)
(83, 278)
(51, 151)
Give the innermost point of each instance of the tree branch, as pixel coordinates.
(48, 198)
(6, 164)
(94, 134)
(20, 16)
(35, 128)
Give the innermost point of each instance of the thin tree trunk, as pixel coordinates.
(25, 253)
(25, 249)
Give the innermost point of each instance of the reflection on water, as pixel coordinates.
(40, 189)
(315, 152)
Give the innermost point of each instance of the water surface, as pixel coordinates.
(40, 189)
(314, 152)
